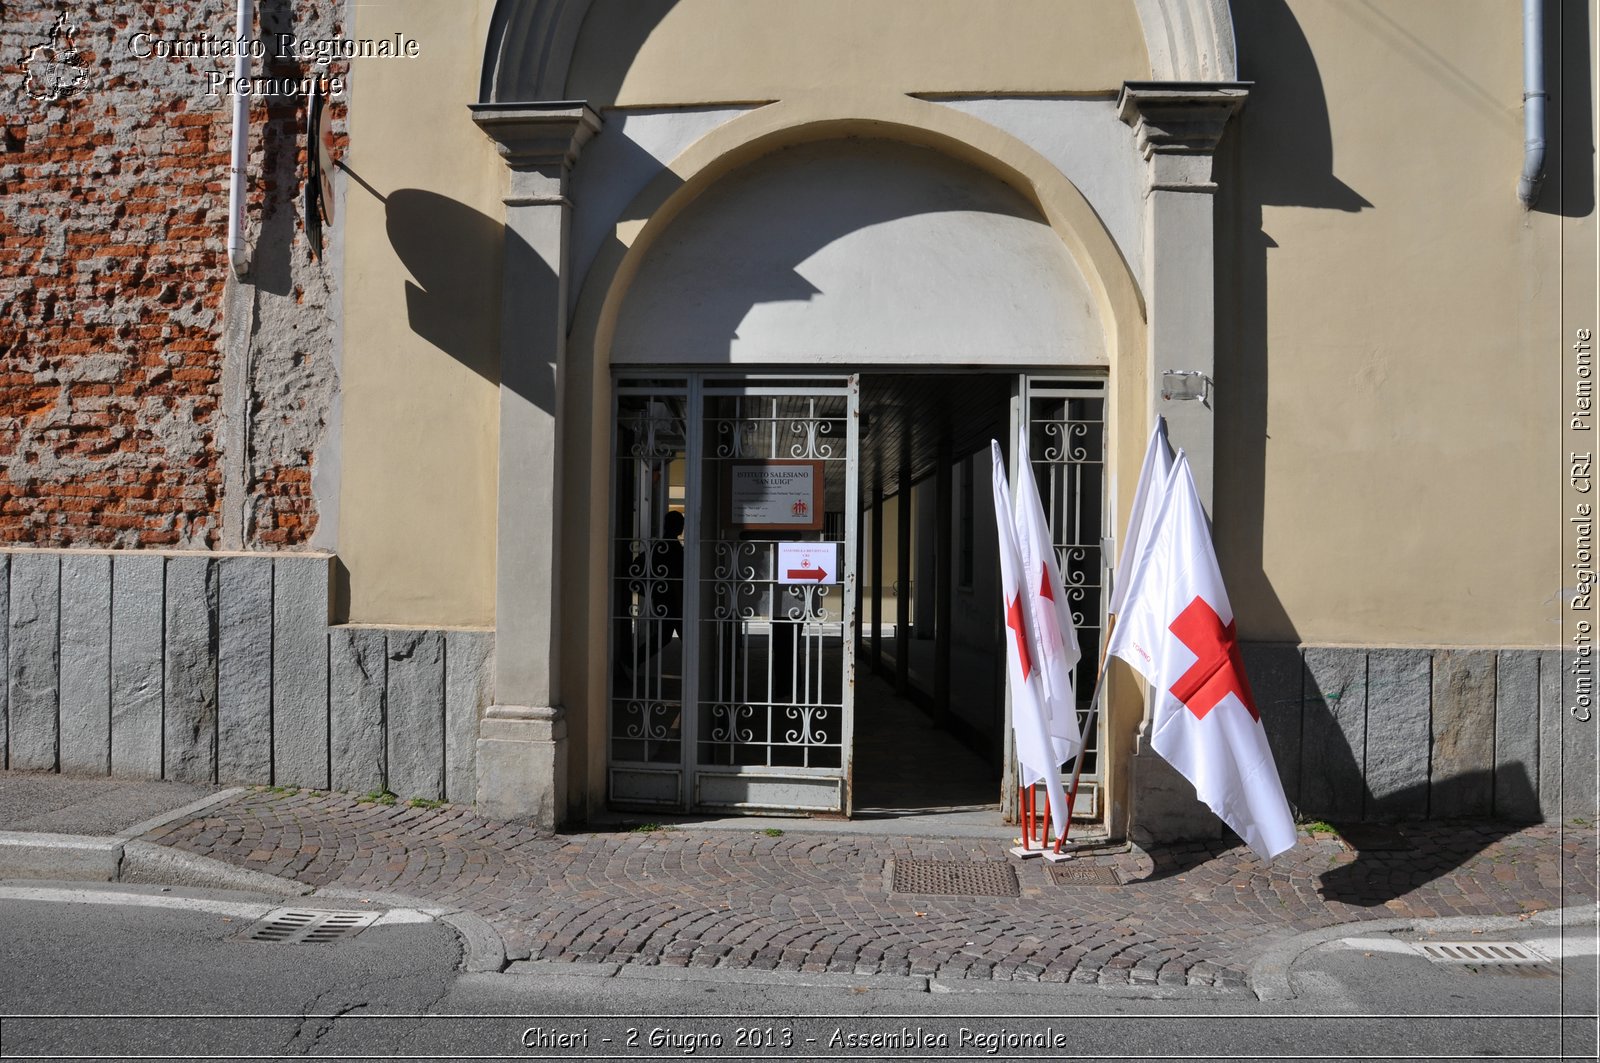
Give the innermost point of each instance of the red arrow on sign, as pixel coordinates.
(807, 573)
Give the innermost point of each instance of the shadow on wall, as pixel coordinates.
(453, 254)
(1278, 152)
(865, 231)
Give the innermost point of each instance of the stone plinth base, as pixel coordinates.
(522, 764)
(1163, 806)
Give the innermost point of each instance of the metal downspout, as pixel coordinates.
(1533, 101)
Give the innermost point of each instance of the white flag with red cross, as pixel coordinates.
(1055, 633)
(1176, 629)
(1036, 752)
(1152, 479)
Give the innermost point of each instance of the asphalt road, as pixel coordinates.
(140, 973)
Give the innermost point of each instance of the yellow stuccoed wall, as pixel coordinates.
(1390, 348)
(422, 281)
(421, 327)
(1389, 365)
(699, 51)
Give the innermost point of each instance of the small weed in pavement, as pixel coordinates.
(377, 797)
(1317, 826)
(281, 791)
(423, 802)
(651, 828)
(772, 832)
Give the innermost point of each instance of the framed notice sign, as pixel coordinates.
(774, 495)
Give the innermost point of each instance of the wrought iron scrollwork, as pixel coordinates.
(1066, 441)
(805, 733)
(729, 730)
(812, 602)
(814, 441)
(644, 728)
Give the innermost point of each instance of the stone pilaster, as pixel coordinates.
(522, 744)
(1178, 125)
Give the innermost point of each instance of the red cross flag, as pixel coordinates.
(1030, 720)
(1152, 477)
(1176, 629)
(1055, 634)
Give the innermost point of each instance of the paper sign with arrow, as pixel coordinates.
(814, 563)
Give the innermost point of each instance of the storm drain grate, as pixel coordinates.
(305, 926)
(991, 878)
(1488, 957)
(1477, 952)
(1085, 875)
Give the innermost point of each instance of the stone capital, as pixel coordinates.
(1182, 118)
(543, 138)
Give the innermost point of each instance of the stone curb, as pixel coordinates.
(904, 983)
(1268, 977)
(61, 857)
(85, 858)
(157, 865)
(187, 812)
(483, 952)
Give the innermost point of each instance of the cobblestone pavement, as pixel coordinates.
(1184, 915)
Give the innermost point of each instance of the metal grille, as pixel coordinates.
(1066, 441)
(771, 650)
(1478, 952)
(647, 597)
(728, 677)
(991, 878)
(1084, 875)
(302, 926)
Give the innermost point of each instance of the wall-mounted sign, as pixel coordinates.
(814, 563)
(784, 495)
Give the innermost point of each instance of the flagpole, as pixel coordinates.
(1094, 702)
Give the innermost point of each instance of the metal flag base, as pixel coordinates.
(1036, 828)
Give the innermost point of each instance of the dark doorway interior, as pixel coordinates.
(929, 703)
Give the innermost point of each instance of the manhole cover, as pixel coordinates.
(988, 879)
(1084, 875)
(304, 926)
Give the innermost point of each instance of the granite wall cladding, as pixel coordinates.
(203, 667)
(1385, 733)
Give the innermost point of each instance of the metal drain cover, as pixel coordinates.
(1478, 952)
(1084, 875)
(306, 926)
(991, 878)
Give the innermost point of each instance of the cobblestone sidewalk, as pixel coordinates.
(1184, 915)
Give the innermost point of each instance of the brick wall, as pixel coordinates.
(112, 279)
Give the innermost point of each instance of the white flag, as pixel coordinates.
(1054, 631)
(1035, 751)
(1152, 477)
(1176, 629)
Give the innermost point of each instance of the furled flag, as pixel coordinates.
(1176, 629)
(1036, 753)
(1152, 477)
(1051, 617)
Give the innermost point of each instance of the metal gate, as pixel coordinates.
(733, 587)
(1066, 418)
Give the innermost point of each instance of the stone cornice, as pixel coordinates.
(537, 136)
(1180, 117)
